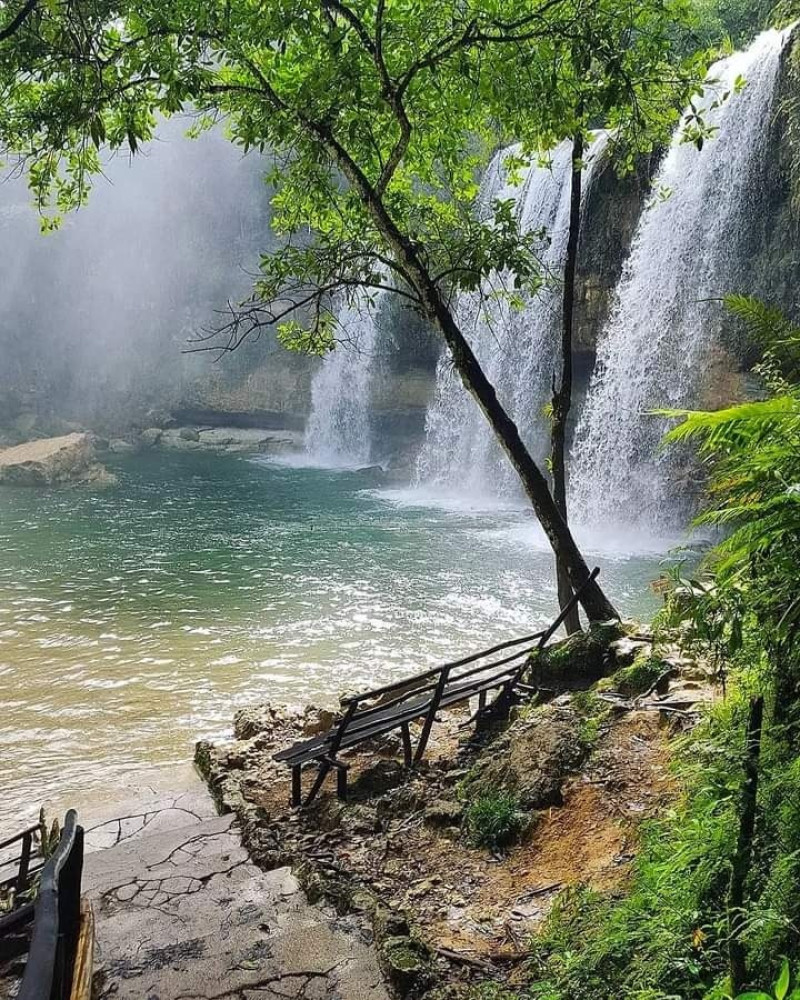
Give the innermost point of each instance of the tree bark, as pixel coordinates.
(562, 396)
(740, 865)
(594, 600)
(595, 603)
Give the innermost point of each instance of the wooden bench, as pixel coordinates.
(395, 706)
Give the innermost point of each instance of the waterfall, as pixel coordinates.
(689, 250)
(338, 432)
(518, 348)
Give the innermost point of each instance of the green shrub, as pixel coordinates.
(493, 820)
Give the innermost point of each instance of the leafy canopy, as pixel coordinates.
(378, 116)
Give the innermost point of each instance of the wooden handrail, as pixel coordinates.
(18, 836)
(48, 972)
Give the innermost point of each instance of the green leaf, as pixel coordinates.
(781, 986)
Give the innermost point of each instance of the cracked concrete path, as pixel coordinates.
(182, 914)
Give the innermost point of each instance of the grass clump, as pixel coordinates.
(592, 713)
(640, 676)
(493, 820)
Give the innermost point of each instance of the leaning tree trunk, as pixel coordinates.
(595, 603)
(562, 396)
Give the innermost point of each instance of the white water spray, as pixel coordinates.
(688, 251)
(338, 433)
(516, 347)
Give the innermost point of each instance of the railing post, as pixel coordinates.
(297, 787)
(24, 862)
(69, 910)
(429, 718)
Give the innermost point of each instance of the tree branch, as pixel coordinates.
(18, 20)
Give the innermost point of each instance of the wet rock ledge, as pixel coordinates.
(454, 865)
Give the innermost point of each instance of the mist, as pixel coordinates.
(94, 318)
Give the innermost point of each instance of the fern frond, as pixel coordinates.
(770, 329)
(746, 423)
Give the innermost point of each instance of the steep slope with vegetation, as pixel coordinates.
(714, 905)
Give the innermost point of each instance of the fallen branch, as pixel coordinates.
(457, 956)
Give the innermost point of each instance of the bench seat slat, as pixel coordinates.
(312, 749)
(392, 718)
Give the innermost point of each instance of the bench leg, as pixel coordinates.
(341, 783)
(297, 791)
(481, 701)
(408, 753)
(322, 774)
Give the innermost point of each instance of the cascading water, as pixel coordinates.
(516, 347)
(338, 429)
(688, 251)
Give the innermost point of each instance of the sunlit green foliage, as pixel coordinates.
(493, 820)
(378, 116)
(752, 452)
(736, 21)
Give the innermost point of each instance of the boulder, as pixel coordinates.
(578, 662)
(318, 720)
(443, 813)
(531, 760)
(372, 475)
(118, 446)
(151, 437)
(406, 963)
(189, 434)
(53, 462)
(249, 439)
(253, 720)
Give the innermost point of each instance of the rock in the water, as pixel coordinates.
(372, 474)
(54, 462)
(151, 436)
(189, 434)
(118, 446)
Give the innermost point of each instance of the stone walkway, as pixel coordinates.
(182, 914)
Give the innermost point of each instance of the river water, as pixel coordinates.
(135, 620)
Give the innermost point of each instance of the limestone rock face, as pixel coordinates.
(58, 461)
